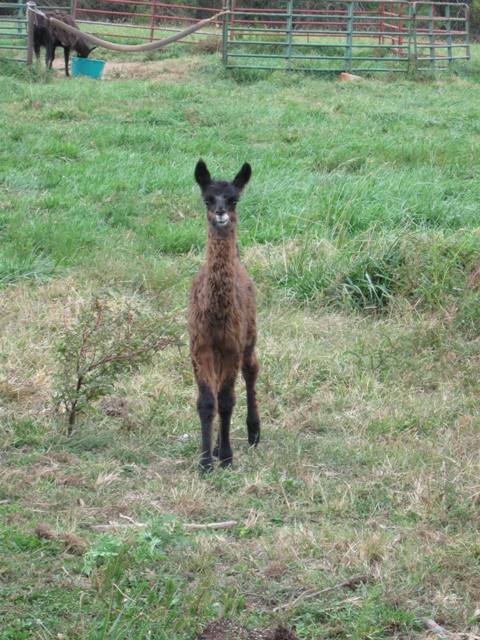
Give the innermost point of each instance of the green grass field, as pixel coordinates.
(361, 230)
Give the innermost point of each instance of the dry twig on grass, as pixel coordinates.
(120, 525)
(445, 633)
(348, 583)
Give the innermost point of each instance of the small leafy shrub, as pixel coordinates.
(110, 336)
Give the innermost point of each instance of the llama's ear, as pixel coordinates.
(202, 175)
(243, 176)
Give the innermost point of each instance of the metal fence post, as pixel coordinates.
(152, 20)
(414, 29)
(467, 34)
(20, 16)
(289, 27)
(410, 29)
(232, 19)
(30, 25)
(431, 35)
(349, 48)
(449, 34)
(225, 35)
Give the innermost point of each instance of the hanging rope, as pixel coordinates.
(129, 47)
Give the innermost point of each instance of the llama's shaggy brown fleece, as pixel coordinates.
(227, 630)
(221, 320)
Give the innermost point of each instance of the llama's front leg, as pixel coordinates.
(203, 369)
(226, 402)
(66, 55)
(250, 370)
(49, 54)
(206, 413)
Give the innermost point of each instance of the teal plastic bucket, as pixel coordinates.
(86, 67)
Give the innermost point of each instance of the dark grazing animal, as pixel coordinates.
(48, 35)
(221, 320)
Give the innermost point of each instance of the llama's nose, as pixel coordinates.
(222, 217)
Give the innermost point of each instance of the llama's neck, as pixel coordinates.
(220, 266)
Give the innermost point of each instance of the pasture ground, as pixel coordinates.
(360, 229)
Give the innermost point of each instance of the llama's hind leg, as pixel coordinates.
(250, 370)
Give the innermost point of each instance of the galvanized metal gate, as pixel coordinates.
(13, 28)
(388, 37)
(13, 31)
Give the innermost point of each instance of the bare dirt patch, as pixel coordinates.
(226, 630)
(169, 71)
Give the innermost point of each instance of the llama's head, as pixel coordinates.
(82, 48)
(220, 196)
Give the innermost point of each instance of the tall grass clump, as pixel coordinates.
(34, 266)
(372, 271)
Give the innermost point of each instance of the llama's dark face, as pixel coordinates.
(220, 196)
(83, 49)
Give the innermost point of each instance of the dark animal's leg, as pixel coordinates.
(226, 402)
(217, 445)
(36, 48)
(250, 374)
(206, 404)
(206, 413)
(49, 54)
(66, 53)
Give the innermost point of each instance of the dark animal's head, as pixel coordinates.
(82, 48)
(220, 196)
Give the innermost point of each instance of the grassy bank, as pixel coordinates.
(360, 229)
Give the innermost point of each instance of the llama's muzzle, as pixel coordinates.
(222, 219)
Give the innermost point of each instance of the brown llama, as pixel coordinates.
(221, 320)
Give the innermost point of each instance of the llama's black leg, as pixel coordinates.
(66, 54)
(206, 413)
(226, 402)
(216, 447)
(250, 374)
(49, 54)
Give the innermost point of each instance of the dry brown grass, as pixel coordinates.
(368, 466)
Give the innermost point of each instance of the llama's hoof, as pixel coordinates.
(254, 439)
(224, 464)
(206, 467)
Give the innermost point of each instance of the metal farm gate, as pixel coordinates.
(13, 28)
(388, 36)
(284, 34)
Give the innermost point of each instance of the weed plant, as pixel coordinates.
(360, 229)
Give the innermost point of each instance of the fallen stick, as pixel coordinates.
(436, 628)
(348, 583)
(214, 525)
(111, 526)
(120, 525)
